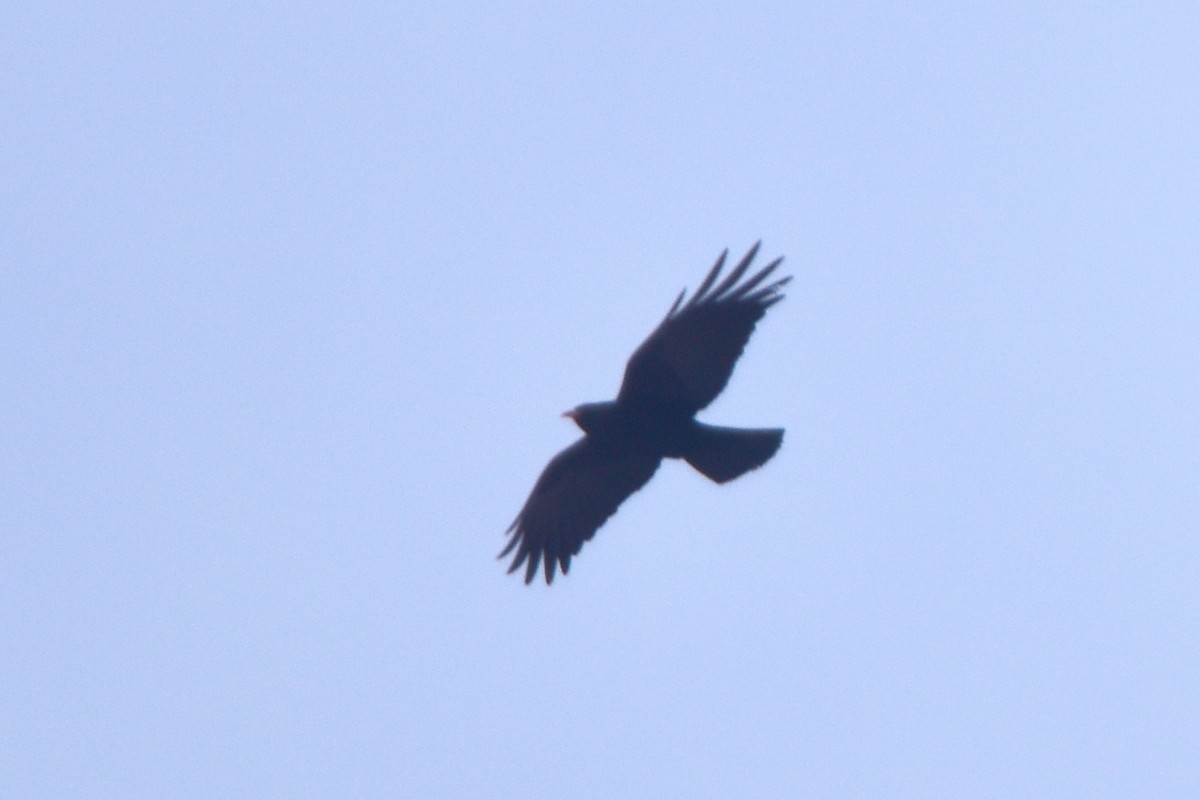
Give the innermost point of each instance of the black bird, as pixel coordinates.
(678, 370)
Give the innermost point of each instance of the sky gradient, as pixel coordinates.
(292, 297)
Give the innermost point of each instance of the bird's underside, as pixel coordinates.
(681, 367)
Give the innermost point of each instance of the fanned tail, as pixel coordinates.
(723, 454)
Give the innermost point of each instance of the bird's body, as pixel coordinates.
(676, 372)
(654, 426)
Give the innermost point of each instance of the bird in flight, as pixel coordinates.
(680, 368)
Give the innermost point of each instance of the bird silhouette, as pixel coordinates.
(681, 367)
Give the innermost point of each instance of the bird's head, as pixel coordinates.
(591, 417)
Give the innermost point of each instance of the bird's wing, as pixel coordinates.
(689, 357)
(578, 490)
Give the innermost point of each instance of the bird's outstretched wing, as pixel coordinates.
(689, 357)
(578, 490)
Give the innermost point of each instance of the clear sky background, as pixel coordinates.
(292, 295)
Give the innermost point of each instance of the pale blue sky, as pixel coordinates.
(291, 299)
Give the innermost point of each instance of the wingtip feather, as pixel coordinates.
(710, 278)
